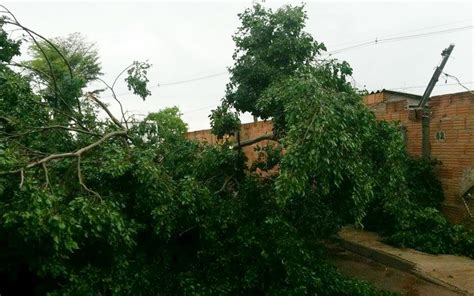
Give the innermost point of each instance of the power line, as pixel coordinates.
(175, 83)
(423, 86)
(427, 34)
(458, 82)
(198, 109)
(400, 38)
(376, 41)
(406, 87)
(359, 45)
(391, 88)
(405, 32)
(193, 79)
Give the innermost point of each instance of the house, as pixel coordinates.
(451, 139)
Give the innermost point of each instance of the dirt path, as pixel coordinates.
(384, 277)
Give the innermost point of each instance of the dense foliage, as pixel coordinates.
(224, 121)
(270, 46)
(427, 230)
(102, 206)
(337, 156)
(416, 221)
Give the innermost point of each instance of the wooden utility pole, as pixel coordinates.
(425, 120)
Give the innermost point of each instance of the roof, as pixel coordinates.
(411, 96)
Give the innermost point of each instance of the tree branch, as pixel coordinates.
(22, 177)
(29, 31)
(248, 142)
(227, 179)
(70, 117)
(45, 128)
(120, 74)
(77, 153)
(46, 175)
(31, 69)
(81, 180)
(116, 99)
(32, 35)
(103, 106)
(48, 62)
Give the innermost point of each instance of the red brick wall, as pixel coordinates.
(247, 131)
(452, 114)
(410, 120)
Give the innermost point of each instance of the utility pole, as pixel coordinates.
(425, 119)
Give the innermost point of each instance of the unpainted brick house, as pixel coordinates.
(451, 139)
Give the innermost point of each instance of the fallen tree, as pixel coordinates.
(108, 207)
(93, 205)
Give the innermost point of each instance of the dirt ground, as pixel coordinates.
(384, 277)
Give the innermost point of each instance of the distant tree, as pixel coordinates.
(169, 122)
(63, 67)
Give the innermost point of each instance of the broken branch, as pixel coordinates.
(248, 142)
(104, 107)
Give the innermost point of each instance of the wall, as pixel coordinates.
(453, 116)
(393, 107)
(451, 138)
(247, 131)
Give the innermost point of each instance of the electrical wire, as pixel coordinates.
(175, 83)
(193, 79)
(458, 82)
(198, 109)
(423, 86)
(393, 88)
(406, 32)
(400, 38)
(359, 45)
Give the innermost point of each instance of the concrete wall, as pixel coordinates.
(451, 138)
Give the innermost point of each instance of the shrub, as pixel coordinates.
(427, 230)
(413, 219)
(424, 187)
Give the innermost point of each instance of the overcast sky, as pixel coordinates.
(188, 40)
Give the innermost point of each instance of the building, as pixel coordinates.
(451, 139)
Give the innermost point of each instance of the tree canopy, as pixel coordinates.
(270, 46)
